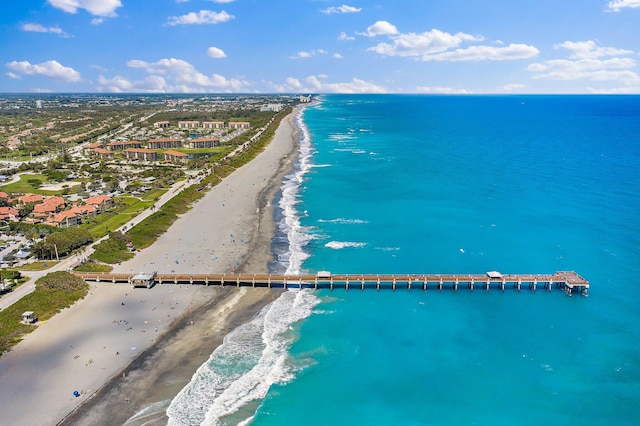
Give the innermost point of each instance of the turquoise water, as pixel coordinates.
(454, 184)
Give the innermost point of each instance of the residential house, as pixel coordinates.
(239, 125)
(64, 219)
(176, 156)
(100, 202)
(188, 124)
(164, 143)
(140, 154)
(213, 124)
(121, 145)
(44, 210)
(102, 153)
(85, 210)
(161, 124)
(9, 214)
(90, 147)
(30, 198)
(55, 201)
(204, 142)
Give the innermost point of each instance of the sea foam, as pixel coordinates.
(254, 356)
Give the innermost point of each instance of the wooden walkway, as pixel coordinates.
(568, 281)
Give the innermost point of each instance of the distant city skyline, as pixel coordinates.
(320, 46)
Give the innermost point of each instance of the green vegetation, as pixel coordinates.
(114, 249)
(26, 184)
(38, 266)
(54, 292)
(93, 266)
(61, 243)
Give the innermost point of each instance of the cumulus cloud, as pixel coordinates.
(341, 9)
(308, 54)
(380, 28)
(51, 69)
(420, 45)
(588, 61)
(181, 76)
(344, 36)
(216, 52)
(38, 28)
(315, 84)
(95, 7)
(442, 90)
(119, 84)
(589, 49)
(616, 5)
(437, 45)
(202, 17)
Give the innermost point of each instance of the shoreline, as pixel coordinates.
(166, 367)
(157, 337)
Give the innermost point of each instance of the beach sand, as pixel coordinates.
(124, 349)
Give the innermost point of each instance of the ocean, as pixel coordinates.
(446, 184)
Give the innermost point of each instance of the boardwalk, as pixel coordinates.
(568, 281)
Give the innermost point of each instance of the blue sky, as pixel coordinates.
(320, 46)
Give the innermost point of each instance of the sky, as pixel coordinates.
(320, 46)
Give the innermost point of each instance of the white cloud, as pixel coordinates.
(221, 1)
(341, 9)
(338, 56)
(95, 7)
(616, 5)
(313, 84)
(344, 36)
(589, 49)
(354, 86)
(427, 43)
(513, 86)
(586, 62)
(216, 52)
(183, 77)
(308, 54)
(202, 17)
(441, 90)
(437, 45)
(13, 76)
(380, 28)
(119, 84)
(37, 28)
(485, 53)
(97, 21)
(52, 69)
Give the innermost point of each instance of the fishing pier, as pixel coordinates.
(568, 281)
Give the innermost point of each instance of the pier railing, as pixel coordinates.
(569, 281)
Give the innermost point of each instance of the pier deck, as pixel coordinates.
(569, 281)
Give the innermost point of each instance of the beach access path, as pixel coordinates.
(96, 340)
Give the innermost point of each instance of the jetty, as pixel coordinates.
(568, 281)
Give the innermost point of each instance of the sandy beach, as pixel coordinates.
(124, 349)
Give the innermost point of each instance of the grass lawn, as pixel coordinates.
(23, 186)
(134, 207)
(37, 266)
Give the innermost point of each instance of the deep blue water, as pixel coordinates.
(453, 184)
